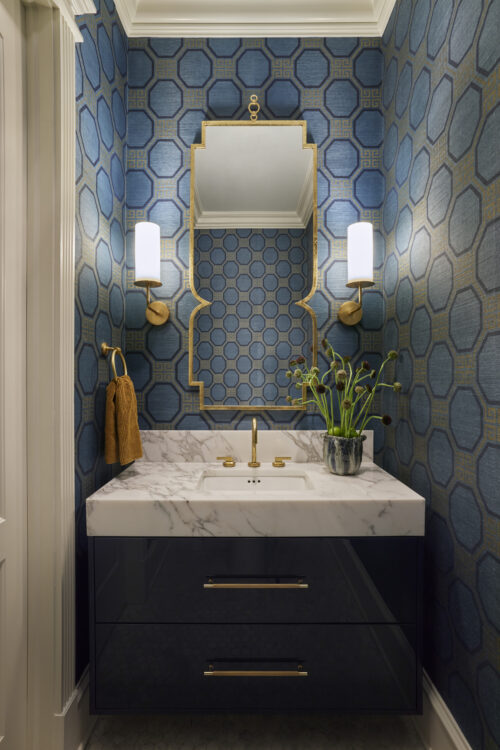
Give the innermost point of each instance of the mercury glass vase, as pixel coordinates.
(342, 455)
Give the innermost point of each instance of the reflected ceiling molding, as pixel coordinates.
(254, 18)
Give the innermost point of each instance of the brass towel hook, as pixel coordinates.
(106, 349)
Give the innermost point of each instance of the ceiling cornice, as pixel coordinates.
(80, 7)
(136, 24)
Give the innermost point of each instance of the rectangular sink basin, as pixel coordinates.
(254, 481)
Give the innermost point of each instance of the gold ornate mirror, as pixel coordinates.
(253, 260)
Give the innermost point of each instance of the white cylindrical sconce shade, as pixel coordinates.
(147, 253)
(360, 253)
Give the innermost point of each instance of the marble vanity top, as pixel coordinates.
(166, 492)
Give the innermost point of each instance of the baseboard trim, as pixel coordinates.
(75, 721)
(437, 727)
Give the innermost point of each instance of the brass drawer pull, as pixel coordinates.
(212, 585)
(299, 672)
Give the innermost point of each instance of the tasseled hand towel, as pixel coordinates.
(122, 440)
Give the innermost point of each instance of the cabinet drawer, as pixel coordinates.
(325, 667)
(161, 580)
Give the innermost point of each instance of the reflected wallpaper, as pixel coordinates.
(244, 340)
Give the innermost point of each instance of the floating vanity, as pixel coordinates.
(253, 589)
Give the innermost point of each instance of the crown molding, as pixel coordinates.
(81, 7)
(126, 10)
(239, 219)
(137, 24)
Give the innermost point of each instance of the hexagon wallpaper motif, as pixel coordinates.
(406, 129)
(101, 67)
(442, 283)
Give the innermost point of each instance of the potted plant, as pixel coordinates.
(352, 390)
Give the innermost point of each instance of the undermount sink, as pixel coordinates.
(254, 480)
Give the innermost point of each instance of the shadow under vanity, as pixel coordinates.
(208, 615)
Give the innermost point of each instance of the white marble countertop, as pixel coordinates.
(165, 498)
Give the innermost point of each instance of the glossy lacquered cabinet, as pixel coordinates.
(255, 624)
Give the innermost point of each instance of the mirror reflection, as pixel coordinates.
(253, 255)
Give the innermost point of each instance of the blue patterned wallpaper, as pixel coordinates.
(426, 142)
(441, 282)
(101, 69)
(174, 84)
(245, 339)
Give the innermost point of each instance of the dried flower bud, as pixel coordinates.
(298, 373)
(336, 364)
(314, 370)
(289, 399)
(368, 388)
(340, 385)
(341, 375)
(397, 387)
(366, 365)
(373, 374)
(321, 388)
(347, 358)
(292, 362)
(330, 351)
(386, 419)
(359, 389)
(289, 373)
(392, 354)
(346, 404)
(301, 360)
(298, 386)
(324, 343)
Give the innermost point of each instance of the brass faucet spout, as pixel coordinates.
(254, 463)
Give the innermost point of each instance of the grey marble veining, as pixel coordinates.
(254, 732)
(303, 446)
(158, 498)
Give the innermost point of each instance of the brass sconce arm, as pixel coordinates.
(350, 313)
(157, 312)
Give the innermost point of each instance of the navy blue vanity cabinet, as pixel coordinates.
(263, 624)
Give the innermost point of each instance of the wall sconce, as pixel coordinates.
(359, 269)
(147, 269)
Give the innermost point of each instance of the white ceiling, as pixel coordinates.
(253, 176)
(254, 18)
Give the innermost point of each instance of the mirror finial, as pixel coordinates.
(254, 107)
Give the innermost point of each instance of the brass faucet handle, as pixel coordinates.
(228, 461)
(279, 461)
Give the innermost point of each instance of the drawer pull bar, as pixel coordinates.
(299, 672)
(255, 585)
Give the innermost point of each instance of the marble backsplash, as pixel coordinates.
(178, 446)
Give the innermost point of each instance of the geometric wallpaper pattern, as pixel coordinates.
(417, 156)
(442, 288)
(175, 84)
(101, 68)
(244, 340)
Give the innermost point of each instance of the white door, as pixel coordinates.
(13, 588)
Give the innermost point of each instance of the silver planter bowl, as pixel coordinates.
(342, 455)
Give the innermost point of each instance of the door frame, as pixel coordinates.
(58, 715)
(13, 491)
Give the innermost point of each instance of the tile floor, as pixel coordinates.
(249, 732)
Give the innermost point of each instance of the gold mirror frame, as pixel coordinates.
(204, 303)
